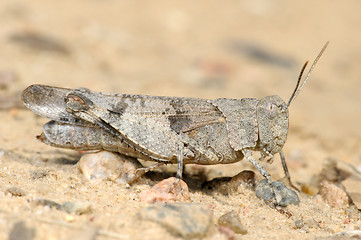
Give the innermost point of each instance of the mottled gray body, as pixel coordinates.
(166, 129)
(152, 128)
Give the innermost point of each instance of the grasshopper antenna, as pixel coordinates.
(298, 88)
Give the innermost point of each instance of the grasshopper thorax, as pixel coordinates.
(272, 121)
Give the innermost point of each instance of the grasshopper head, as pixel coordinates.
(272, 117)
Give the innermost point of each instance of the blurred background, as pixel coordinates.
(204, 49)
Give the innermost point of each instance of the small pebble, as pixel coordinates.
(352, 186)
(108, 166)
(180, 219)
(77, 207)
(169, 190)
(351, 235)
(329, 170)
(233, 221)
(299, 223)
(69, 218)
(20, 232)
(45, 203)
(284, 195)
(309, 189)
(69, 207)
(15, 191)
(39, 174)
(333, 195)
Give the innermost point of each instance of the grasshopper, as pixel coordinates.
(166, 129)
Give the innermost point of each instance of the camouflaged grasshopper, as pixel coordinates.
(165, 129)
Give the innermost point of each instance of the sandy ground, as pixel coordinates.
(205, 49)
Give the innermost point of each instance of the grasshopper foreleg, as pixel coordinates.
(285, 170)
(248, 154)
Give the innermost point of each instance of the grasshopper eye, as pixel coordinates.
(272, 107)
